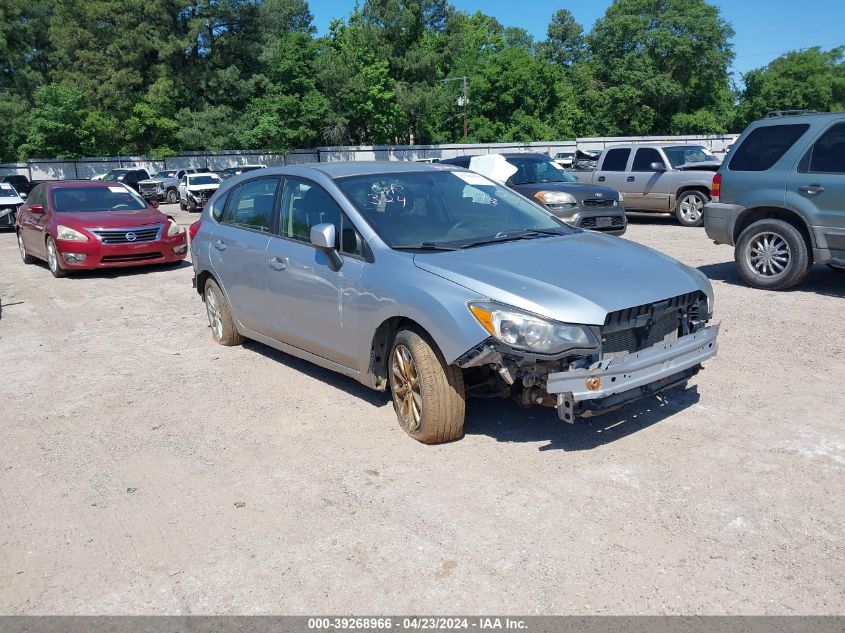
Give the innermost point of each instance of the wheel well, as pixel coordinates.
(700, 188)
(380, 348)
(202, 278)
(776, 213)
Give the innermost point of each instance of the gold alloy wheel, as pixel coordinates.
(405, 387)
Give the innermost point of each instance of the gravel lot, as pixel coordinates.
(145, 469)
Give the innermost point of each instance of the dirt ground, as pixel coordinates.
(145, 469)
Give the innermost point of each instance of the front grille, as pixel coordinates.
(148, 188)
(616, 221)
(634, 329)
(624, 342)
(598, 203)
(135, 257)
(203, 195)
(125, 236)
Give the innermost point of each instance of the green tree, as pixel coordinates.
(810, 79)
(655, 59)
(62, 124)
(564, 43)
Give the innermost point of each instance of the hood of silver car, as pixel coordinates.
(576, 278)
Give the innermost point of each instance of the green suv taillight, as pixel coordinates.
(716, 187)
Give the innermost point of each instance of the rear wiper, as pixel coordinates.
(428, 246)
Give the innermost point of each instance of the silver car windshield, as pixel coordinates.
(446, 209)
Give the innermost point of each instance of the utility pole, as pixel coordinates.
(462, 101)
(465, 109)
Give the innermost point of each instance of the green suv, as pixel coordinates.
(779, 198)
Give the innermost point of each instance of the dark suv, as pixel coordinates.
(129, 177)
(779, 198)
(536, 177)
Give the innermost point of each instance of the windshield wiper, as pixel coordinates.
(526, 234)
(428, 246)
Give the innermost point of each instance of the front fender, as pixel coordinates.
(437, 305)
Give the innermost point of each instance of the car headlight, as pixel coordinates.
(66, 233)
(555, 198)
(522, 330)
(173, 228)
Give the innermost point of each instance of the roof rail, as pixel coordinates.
(778, 113)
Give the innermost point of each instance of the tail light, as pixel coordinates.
(194, 228)
(716, 188)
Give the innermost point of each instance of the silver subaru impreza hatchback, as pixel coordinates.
(439, 284)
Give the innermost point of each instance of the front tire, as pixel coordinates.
(428, 396)
(26, 257)
(181, 204)
(54, 259)
(772, 255)
(689, 209)
(220, 318)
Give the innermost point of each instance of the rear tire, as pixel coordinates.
(26, 257)
(428, 396)
(182, 204)
(220, 318)
(172, 196)
(772, 255)
(689, 209)
(54, 261)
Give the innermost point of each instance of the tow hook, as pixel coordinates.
(566, 407)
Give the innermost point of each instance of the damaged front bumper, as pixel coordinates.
(608, 384)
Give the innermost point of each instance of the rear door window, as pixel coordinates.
(252, 205)
(765, 146)
(827, 155)
(616, 159)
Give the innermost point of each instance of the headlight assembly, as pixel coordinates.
(555, 199)
(173, 228)
(66, 233)
(525, 331)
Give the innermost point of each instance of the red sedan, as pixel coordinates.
(84, 224)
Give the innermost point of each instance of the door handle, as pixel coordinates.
(278, 263)
(220, 245)
(811, 189)
(629, 179)
(600, 178)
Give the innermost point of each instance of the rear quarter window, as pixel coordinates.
(765, 146)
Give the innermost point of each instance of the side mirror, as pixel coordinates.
(657, 167)
(23, 196)
(324, 237)
(153, 203)
(37, 209)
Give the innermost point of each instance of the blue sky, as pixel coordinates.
(764, 28)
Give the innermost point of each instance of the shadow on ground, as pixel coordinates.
(822, 280)
(117, 273)
(666, 219)
(331, 378)
(505, 421)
